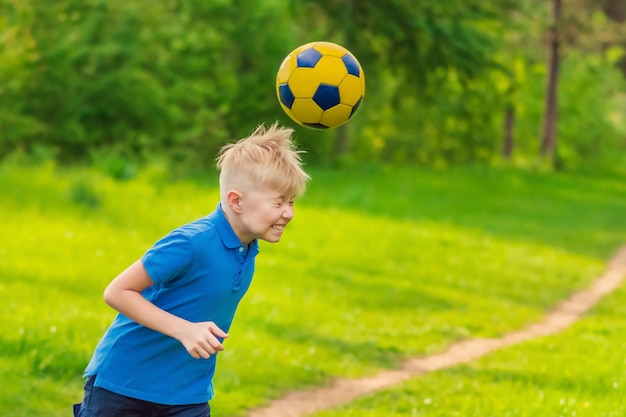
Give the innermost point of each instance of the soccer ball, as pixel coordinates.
(320, 85)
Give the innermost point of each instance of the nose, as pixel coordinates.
(288, 213)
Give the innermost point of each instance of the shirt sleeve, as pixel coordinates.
(169, 258)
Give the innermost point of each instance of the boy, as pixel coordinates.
(176, 303)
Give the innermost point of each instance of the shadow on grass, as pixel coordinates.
(367, 353)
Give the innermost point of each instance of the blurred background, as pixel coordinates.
(117, 84)
(480, 183)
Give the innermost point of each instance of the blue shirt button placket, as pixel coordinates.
(244, 260)
(237, 283)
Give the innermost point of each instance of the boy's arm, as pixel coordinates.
(124, 295)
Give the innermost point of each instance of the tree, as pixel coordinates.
(131, 81)
(416, 49)
(509, 124)
(616, 11)
(548, 139)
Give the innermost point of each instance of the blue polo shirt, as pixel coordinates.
(200, 272)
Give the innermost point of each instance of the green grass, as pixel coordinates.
(579, 372)
(377, 266)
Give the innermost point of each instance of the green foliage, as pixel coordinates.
(432, 103)
(117, 84)
(590, 136)
(84, 193)
(137, 79)
(419, 41)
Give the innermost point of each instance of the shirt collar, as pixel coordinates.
(226, 232)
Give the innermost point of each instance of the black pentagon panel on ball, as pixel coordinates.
(352, 65)
(327, 96)
(308, 58)
(356, 107)
(286, 96)
(315, 125)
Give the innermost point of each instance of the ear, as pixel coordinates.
(233, 197)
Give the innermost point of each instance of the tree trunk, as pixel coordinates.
(342, 144)
(509, 124)
(548, 139)
(615, 10)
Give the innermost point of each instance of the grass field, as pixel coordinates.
(377, 266)
(580, 372)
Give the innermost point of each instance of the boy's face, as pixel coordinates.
(264, 215)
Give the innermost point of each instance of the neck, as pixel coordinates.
(233, 219)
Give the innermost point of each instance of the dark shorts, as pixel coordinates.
(99, 402)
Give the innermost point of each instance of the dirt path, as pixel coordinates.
(342, 391)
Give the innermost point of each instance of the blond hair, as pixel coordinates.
(266, 159)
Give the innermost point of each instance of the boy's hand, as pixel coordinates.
(201, 339)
